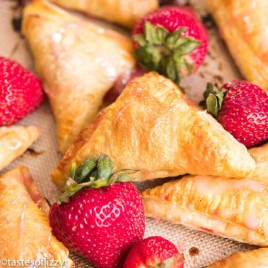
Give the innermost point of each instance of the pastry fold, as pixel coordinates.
(231, 208)
(257, 258)
(260, 155)
(242, 25)
(153, 128)
(25, 233)
(124, 12)
(78, 62)
(14, 141)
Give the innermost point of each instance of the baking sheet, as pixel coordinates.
(200, 249)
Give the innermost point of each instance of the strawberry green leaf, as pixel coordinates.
(188, 46)
(72, 171)
(214, 99)
(139, 38)
(85, 168)
(94, 172)
(160, 50)
(172, 71)
(212, 105)
(122, 175)
(104, 167)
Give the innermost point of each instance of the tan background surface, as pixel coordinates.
(43, 157)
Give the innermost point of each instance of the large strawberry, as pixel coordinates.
(99, 216)
(170, 40)
(152, 252)
(242, 109)
(20, 92)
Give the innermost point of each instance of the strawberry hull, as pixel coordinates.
(101, 224)
(171, 40)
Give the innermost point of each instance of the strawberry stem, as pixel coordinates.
(164, 51)
(94, 172)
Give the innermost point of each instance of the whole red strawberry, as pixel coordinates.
(99, 217)
(154, 251)
(20, 92)
(242, 109)
(170, 40)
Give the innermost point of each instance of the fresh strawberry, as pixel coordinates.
(170, 40)
(20, 92)
(242, 109)
(120, 84)
(99, 215)
(154, 251)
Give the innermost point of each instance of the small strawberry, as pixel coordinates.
(242, 109)
(152, 252)
(99, 216)
(20, 92)
(170, 40)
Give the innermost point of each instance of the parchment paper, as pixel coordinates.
(200, 249)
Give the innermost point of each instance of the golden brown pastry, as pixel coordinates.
(257, 258)
(243, 26)
(25, 233)
(232, 208)
(260, 155)
(152, 127)
(78, 62)
(124, 12)
(14, 141)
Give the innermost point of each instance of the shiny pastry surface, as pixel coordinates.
(124, 12)
(153, 128)
(232, 208)
(78, 62)
(24, 228)
(14, 141)
(260, 155)
(257, 258)
(242, 25)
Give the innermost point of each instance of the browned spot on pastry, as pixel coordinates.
(33, 153)
(193, 251)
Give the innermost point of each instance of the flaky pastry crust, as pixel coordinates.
(257, 258)
(14, 141)
(25, 233)
(78, 62)
(232, 208)
(242, 24)
(260, 155)
(124, 12)
(153, 128)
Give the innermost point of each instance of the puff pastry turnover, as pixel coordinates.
(124, 12)
(232, 208)
(257, 258)
(242, 24)
(14, 141)
(152, 127)
(25, 233)
(78, 62)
